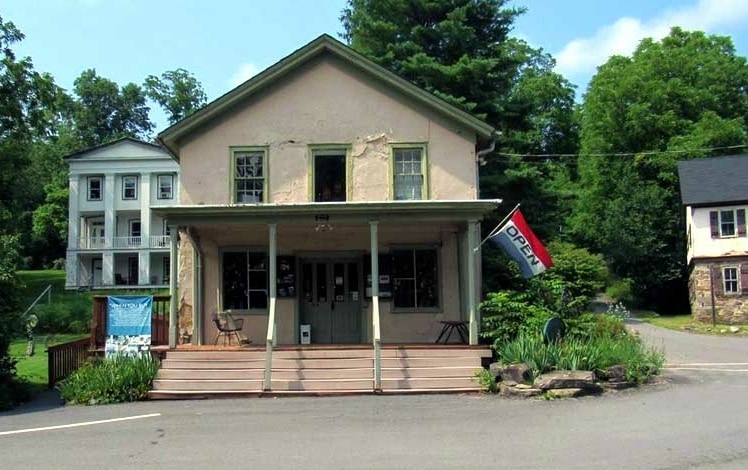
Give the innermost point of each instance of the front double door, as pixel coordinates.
(331, 300)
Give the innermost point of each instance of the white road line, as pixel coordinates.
(707, 364)
(75, 425)
(705, 368)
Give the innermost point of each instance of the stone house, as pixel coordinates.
(714, 192)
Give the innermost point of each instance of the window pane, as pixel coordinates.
(405, 293)
(727, 223)
(306, 275)
(339, 280)
(258, 299)
(321, 282)
(427, 287)
(408, 177)
(402, 263)
(235, 280)
(258, 280)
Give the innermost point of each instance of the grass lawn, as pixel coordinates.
(687, 323)
(34, 368)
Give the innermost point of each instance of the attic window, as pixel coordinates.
(249, 176)
(329, 175)
(727, 223)
(94, 188)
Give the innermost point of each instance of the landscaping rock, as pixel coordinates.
(734, 329)
(614, 386)
(567, 392)
(495, 370)
(616, 373)
(517, 372)
(518, 391)
(566, 379)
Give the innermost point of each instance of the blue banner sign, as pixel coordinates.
(128, 325)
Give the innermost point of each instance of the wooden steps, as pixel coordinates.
(318, 370)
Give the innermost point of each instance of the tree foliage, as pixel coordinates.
(688, 91)
(177, 91)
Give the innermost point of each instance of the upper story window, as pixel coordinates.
(409, 173)
(730, 279)
(329, 175)
(727, 223)
(165, 187)
(250, 175)
(95, 188)
(129, 187)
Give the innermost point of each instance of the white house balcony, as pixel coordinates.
(160, 241)
(91, 243)
(127, 242)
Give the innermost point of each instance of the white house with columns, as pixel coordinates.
(114, 239)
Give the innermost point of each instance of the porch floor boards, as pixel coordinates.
(317, 370)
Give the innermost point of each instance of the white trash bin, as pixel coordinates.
(306, 334)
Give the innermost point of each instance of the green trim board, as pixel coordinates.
(324, 44)
(332, 212)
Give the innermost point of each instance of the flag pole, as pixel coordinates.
(497, 228)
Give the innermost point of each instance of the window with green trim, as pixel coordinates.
(244, 280)
(249, 176)
(409, 173)
(415, 275)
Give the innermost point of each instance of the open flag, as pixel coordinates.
(518, 241)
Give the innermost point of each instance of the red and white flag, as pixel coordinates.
(521, 244)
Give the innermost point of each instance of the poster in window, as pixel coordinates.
(286, 282)
(385, 273)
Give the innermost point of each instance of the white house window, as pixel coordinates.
(727, 223)
(94, 188)
(409, 175)
(165, 186)
(415, 273)
(249, 176)
(730, 279)
(129, 187)
(244, 280)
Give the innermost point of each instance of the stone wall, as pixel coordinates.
(728, 308)
(185, 302)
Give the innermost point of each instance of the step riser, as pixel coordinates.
(429, 372)
(258, 374)
(323, 363)
(325, 354)
(212, 385)
(424, 383)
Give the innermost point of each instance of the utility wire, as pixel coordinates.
(623, 154)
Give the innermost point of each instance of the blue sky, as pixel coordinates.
(224, 42)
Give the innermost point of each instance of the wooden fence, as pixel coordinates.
(159, 322)
(63, 359)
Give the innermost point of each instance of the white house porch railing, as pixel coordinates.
(160, 241)
(91, 243)
(127, 242)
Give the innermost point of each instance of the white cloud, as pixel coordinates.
(580, 56)
(244, 73)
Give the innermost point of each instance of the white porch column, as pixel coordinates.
(145, 212)
(272, 274)
(174, 294)
(107, 268)
(144, 267)
(110, 229)
(470, 288)
(74, 222)
(377, 334)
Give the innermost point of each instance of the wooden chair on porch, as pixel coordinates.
(228, 327)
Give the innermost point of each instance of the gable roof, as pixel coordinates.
(133, 140)
(714, 181)
(323, 44)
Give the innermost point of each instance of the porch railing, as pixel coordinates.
(159, 321)
(127, 242)
(91, 243)
(64, 359)
(160, 241)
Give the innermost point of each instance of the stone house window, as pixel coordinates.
(730, 280)
(727, 223)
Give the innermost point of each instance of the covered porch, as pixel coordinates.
(368, 273)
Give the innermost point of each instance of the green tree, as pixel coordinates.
(102, 111)
(688, 91)
(177, 91)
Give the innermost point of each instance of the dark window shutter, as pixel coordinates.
(741, 222)
(743, 279)
(714, 223)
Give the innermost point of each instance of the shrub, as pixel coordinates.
(621, 290)
(486, 381)
(11, 390)
(67, 317)
(595, 353)
(112, 380)
(506, 314)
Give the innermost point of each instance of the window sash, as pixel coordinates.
(727, 223)
(129, 187)
(730, 280)
(165, 186)
(244, 280)
(249, 176)
(416, 278)
(408, 174)
(94, 188)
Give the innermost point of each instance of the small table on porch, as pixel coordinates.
(449, 327)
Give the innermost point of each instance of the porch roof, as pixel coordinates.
(364, 211)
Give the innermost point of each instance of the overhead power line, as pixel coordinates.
(620, 154)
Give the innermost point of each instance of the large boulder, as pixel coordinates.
(566, 379)
(520, 390)
(519, 373)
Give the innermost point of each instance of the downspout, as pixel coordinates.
(478, 158)
(197, 288)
